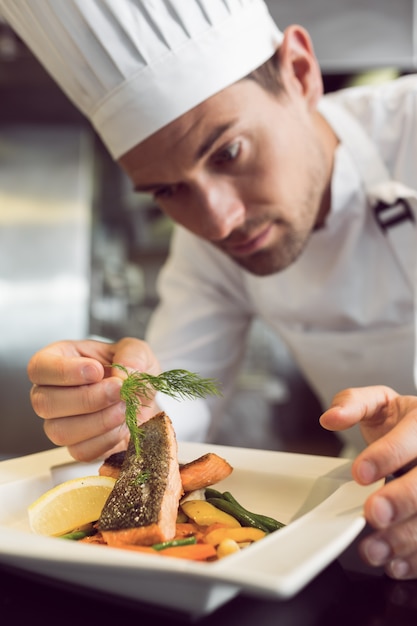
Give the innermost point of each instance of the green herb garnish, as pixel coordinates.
(177, 383)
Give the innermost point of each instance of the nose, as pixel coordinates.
(220, 207)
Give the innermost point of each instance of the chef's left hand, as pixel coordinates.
(388, 422)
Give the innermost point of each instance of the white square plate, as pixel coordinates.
(315, 496)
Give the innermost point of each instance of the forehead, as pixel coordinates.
(195, 130)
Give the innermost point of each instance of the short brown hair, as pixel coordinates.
(267, 75)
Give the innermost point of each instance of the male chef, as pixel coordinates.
(290, 206)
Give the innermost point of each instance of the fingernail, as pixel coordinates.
(89, 373)
(376, 551)
(113, 389)
(382, 510)
(399, 568)
(367, 472)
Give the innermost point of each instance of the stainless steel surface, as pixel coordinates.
(46, 178)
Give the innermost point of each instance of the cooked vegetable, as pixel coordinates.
(240, 535)
(187, 541)
(205, 514)
(271, 523)
(226, 548)
(245, 519)
(186, 529)
(76, 535)
(194, 552)
(227, 503)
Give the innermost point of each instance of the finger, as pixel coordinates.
(402, 568)
(388, 454)
(72, 363)
(390, 547)
(355, 405)
(95, 436)
(103, 446)
(70, 431)
(395, 502)
(53, 367)
(52, 402)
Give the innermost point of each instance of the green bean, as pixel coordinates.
(271, 523)
(242, 516)
(186, 541)
(212, 493)
(76, 535)
(268, 524)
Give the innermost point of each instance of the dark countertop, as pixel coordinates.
(345, 594)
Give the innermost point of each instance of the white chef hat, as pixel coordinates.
(133, 66)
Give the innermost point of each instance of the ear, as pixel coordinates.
(300, 69)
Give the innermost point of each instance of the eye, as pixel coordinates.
(227, 154)
(162, 193)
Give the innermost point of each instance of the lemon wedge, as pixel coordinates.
(69, 505)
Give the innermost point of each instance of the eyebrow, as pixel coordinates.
(211, 139)
(147, 188)
(199, 154)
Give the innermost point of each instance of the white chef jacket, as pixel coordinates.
(345, 308)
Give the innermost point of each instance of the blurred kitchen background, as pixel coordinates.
(79, 252)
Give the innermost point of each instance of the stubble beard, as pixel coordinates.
(278, 257)
(292, 237)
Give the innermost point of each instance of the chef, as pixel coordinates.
(290, 206)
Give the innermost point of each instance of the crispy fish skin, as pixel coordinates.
(143, 505)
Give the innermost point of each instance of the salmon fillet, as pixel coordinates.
(143, 505)
(112, 465)
(202, 472)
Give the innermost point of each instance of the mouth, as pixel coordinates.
(251, 244)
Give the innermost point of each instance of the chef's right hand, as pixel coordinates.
(388, 423)
(78, 395)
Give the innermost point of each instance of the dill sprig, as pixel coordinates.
(177, 383)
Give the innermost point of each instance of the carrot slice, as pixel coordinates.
(185, 529)
(195, 552)
(137, 548)
(188, 529)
